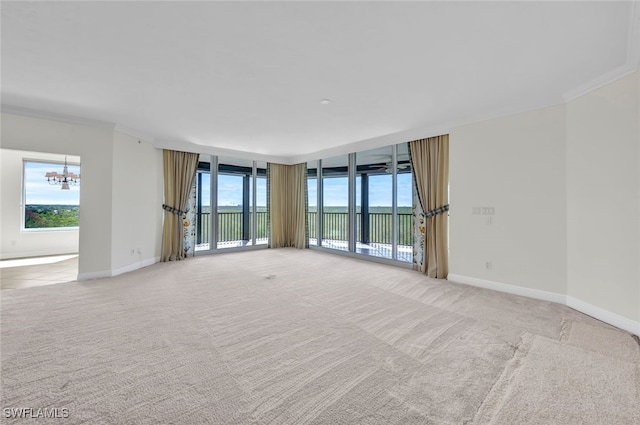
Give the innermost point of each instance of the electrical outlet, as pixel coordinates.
(488, 265)
(138, 251)
(133, 251)
(475, 210)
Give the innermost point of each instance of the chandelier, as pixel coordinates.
(65, 179)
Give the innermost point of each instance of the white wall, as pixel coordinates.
(94, 145)
(565, 185)
(137, 200)
(603, 203)
(17, 242)
(515, 164)
(120, 191)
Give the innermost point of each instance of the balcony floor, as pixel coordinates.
(405, 253)
(231, 244)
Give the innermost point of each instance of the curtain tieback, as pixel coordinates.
(172, 210)
(436, 211)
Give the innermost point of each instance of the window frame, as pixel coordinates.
(215, 169)
(23, 204)
(352, 221)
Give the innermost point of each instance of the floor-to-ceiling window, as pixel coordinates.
(374, 202)
(362, 203)
(335, 202)
(312, 199)
(231, 203)
(234, 194)
(404, 185)
(258, 202)
(203, 204)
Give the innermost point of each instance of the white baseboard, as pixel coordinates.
(134, 266)
(94, 275)
(509, 289)
(605, 315)
(120, 270)
(574, 303)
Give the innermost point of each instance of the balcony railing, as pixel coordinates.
(335, 227)
(229, 226)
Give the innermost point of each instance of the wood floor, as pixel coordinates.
(38, 271)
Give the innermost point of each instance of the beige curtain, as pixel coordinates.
(288, 205)
(430, 162)
(179, 172)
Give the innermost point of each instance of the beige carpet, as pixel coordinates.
(302, 337)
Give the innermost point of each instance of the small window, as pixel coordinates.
(51, 195)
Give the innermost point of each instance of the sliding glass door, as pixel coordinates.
(405, 204)
(234, 177)
(359, 203)
(231, 203)
(335, 203)
(203, 204)
(362, 203)
(374, 202)
(258, 205)
(312, 199)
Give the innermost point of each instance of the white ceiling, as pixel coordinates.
(250, 76)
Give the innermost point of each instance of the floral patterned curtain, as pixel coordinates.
(189, 223)
(419, 229)
(430, 165)
(179, 173)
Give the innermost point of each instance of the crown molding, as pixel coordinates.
(140, 135)
(633, 38)
(52, 116)
(599, 82)
(373, 143)
(212, 150)
(630, 66)
(422, 132)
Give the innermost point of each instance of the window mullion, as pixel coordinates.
(394, 204)
(213, 228)
(351, 172)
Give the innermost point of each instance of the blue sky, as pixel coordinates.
(39, 192)
(336, 191)
(229, 189)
